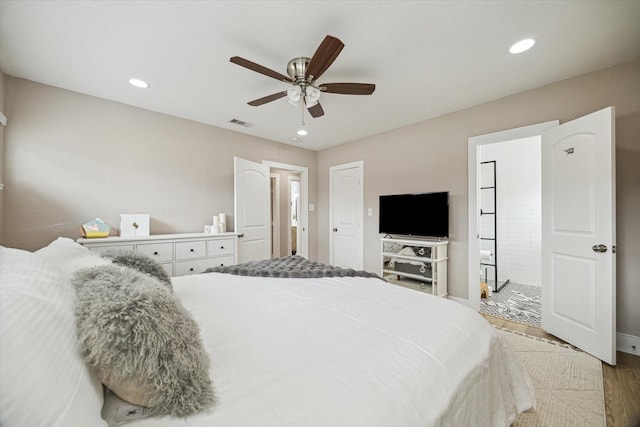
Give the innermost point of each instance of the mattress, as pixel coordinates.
(347, 351)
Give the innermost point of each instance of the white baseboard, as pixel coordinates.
(628, 343)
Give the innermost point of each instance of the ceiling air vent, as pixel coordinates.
(239, 122)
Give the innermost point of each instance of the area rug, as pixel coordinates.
(567, 381)
(516, 301)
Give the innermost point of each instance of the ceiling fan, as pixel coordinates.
(303, 74)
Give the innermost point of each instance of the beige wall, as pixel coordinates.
(70, 158)
(432, 156)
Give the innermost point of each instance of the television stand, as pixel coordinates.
(419, 264)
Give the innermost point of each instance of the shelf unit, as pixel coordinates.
(419, 264)
(179, 254)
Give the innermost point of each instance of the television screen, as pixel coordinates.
(421, 214)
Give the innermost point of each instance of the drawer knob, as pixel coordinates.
(191, 250)
(221, 247)
(221, 265)
(155, 253)
(191, 269)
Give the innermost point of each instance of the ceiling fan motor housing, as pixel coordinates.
(296, 69)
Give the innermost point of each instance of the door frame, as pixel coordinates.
(473, 212)
(303, 221)
(359, 164)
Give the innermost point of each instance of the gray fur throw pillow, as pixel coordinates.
(139, 261)
(140, 341)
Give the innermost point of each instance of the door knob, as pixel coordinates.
(335, 229)
(599, 248)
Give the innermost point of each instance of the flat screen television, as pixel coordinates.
(419, 214)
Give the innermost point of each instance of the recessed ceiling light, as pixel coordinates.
(522, 46)
(139, 83)
(302, 132)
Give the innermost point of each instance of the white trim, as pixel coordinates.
(473, 195)
(627, 342)
(303, 221)
(275, 220)
(359, 164)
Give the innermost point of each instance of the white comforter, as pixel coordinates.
(347, 352)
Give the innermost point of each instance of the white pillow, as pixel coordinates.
(43, 377)
(70, 256)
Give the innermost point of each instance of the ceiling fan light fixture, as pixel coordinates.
(312, 96)
(294, 94)
(522, 46)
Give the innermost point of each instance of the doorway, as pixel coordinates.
(289, 183)
(577, 228)
(475, 148)
(510, 229)
(286, 209)
(254, 208)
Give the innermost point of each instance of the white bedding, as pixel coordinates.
(347, 352)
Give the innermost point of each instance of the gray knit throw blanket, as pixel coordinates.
(291, 266)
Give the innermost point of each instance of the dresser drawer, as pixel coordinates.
(190, 250)
(220, 247)
(100, 249)
(221, 261)
(161, 252)
(190, 267)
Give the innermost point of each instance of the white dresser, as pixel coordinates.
(179, 254)
(419, 264)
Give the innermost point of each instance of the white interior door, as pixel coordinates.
(578, 233)
(252, 209)
(346, 198)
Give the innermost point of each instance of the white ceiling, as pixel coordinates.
(427, 58)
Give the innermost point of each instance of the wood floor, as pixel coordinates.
(621, 382)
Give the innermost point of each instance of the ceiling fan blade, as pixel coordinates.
(316, 111)
(348, 88)
(259, 68)
(326, 53)
(268, 98)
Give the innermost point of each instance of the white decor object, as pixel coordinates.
(134, 225)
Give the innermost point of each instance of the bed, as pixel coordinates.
(325, 351)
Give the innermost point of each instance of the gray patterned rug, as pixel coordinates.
(515, 301)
